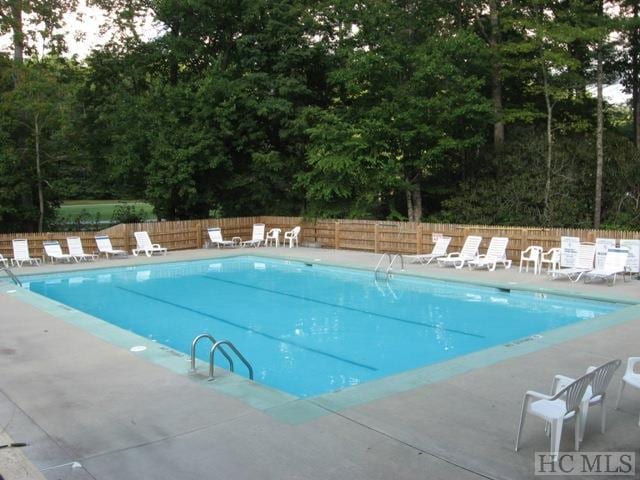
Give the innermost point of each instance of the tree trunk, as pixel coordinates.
(39, 174)
(18, 33)
(409, 205)
(549, 159)
(496, 76)
(417, 203)
(173, 64)
(414, 201)
(599, 143)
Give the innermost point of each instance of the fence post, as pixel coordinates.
(418, 238)
(375, 237)
(524, 239)
(127, 236)
(336, 239)
(199, 234)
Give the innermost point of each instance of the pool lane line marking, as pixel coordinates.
(252, 330)
(344, 307)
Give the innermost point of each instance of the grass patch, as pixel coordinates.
(104, 208)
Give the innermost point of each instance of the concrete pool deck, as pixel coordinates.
(89, 408)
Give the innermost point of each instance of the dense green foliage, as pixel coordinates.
(475, 112)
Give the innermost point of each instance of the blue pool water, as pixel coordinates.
(308, 329)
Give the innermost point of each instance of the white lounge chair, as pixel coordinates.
(496, 253)
(292, 236)
(439, 250)
(468, 252)
(630, 378)
(104, 246)
(531, 254)
(143, 244)
(257, 236)
(53, 250)
(21, 253)
(594, 395)
(215, 238)
(273, 237)
(76, 250)
(555, 409)
(4, 261)
(583, 263)
(615, 262)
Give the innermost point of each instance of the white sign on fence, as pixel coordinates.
(633, 260)
(568, 250)
(602, 245)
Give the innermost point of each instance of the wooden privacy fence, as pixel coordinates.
(365, 235)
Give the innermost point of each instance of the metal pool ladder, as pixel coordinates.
(11, 275)
(389, 268)
(217, 345)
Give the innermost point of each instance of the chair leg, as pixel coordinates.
(521, 424)
(622, 382)
(556, 435)
(582, 420)
(578, 433)
(603, 417)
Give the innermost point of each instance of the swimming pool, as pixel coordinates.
(310, 329)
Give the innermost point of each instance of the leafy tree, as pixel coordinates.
(412, 90)
(34, 114)
(30, 20)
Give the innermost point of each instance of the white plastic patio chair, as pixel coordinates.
(496, 253)
(104, 246)
(468, 252)
(615, 262)
(529, 255)
(583, 263)
(143, 244)
(630, 377)
(273, 237)
(257, 236)
(551, 258)
(21, 253)
(292, 236)
(555, 409)
(215, 238)
(439, 250)
(75, 249)
(594, 395)
(4, 261)
(53, 250)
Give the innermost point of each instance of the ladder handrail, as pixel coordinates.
(214, 341)
(390, 267)
(391, 262)
(235, 350)
(11, 275)
(386, 254)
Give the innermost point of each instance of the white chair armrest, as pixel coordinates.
(525, 251)
(631, 363)
(537, 395)
(559, 382)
